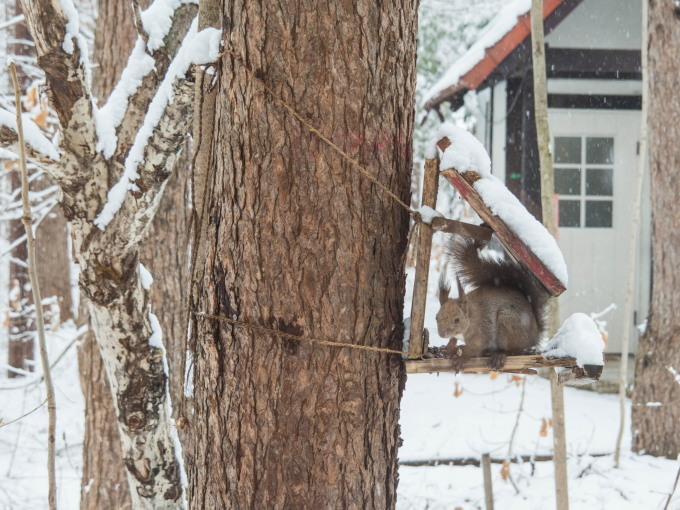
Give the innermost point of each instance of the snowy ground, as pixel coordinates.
(443, 417)
(23, 454)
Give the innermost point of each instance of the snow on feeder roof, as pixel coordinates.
(465, 164)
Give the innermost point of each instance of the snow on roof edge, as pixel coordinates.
(495, 30)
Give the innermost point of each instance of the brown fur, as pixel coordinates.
(504, 314)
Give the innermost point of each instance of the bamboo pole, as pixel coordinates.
(635, 228)
(37, 299)
(547, 209)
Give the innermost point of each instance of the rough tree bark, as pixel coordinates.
(149, 131)
(293, 238)
(657, 367)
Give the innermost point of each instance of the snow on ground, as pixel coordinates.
(642, 483)
(443, 417)
(23, 444)
(449, 416)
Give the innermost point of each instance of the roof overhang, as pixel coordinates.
(554, 11)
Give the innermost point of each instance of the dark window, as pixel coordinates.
(600, 151)
(570, 213)
(568, 181)
(599, 213)
(599, 181)
(567, 149)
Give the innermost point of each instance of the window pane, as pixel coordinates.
(567, 149)
(600, 151)
(599, 181)
(570, 213)
(599, 213)
(568, 181)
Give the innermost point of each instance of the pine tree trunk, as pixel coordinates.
(655, 427)
(295, 239)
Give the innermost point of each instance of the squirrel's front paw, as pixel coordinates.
(455, 353)
(497, 360)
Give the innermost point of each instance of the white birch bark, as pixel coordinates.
(126, 333)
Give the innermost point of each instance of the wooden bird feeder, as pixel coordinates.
(422, 359)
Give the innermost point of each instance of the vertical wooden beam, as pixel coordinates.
(429, 198)
(488, 488)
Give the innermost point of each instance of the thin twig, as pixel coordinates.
(40, 323)
(6, 423)
(514, 432)
(675, 486)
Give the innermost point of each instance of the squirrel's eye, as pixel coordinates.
(456, 320)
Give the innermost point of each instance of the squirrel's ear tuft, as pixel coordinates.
(461, 292)
(444, 288)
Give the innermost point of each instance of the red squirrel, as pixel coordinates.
(504, 314)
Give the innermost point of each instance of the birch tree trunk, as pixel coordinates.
(294, 238)
(548, 212)
(164, 254)
(112, 170)
(655, 427)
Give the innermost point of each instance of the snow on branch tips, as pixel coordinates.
(198, 48)
(578, 338)
(465, 154)
(32, 135)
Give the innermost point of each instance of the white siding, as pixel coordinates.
(601, 24)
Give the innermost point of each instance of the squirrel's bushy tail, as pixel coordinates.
(473, 269)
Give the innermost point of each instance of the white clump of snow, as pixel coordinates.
(504, 21)
(73, 32)
(109, 117)
(157, 20)
(465, 153)
(428, 214)
(507, 207)
(577, 338)
(197, 48)
(145, 277)
(32, 134)
(156, 338)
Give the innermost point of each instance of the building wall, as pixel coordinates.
(600, 24)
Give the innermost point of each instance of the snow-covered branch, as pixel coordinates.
(40, 149)
(62, 54)
(166, 23)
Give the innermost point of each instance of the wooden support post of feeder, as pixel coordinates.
(429, 198)
(488, 487)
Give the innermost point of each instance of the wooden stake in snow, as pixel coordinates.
(547, 187)
(33, 274)
(634, 228)
(488, 487)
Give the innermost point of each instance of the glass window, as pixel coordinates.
(600, 151)
(599, 213)
(568, 181)
(599, 181)
(567, 149)
(570, 213)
